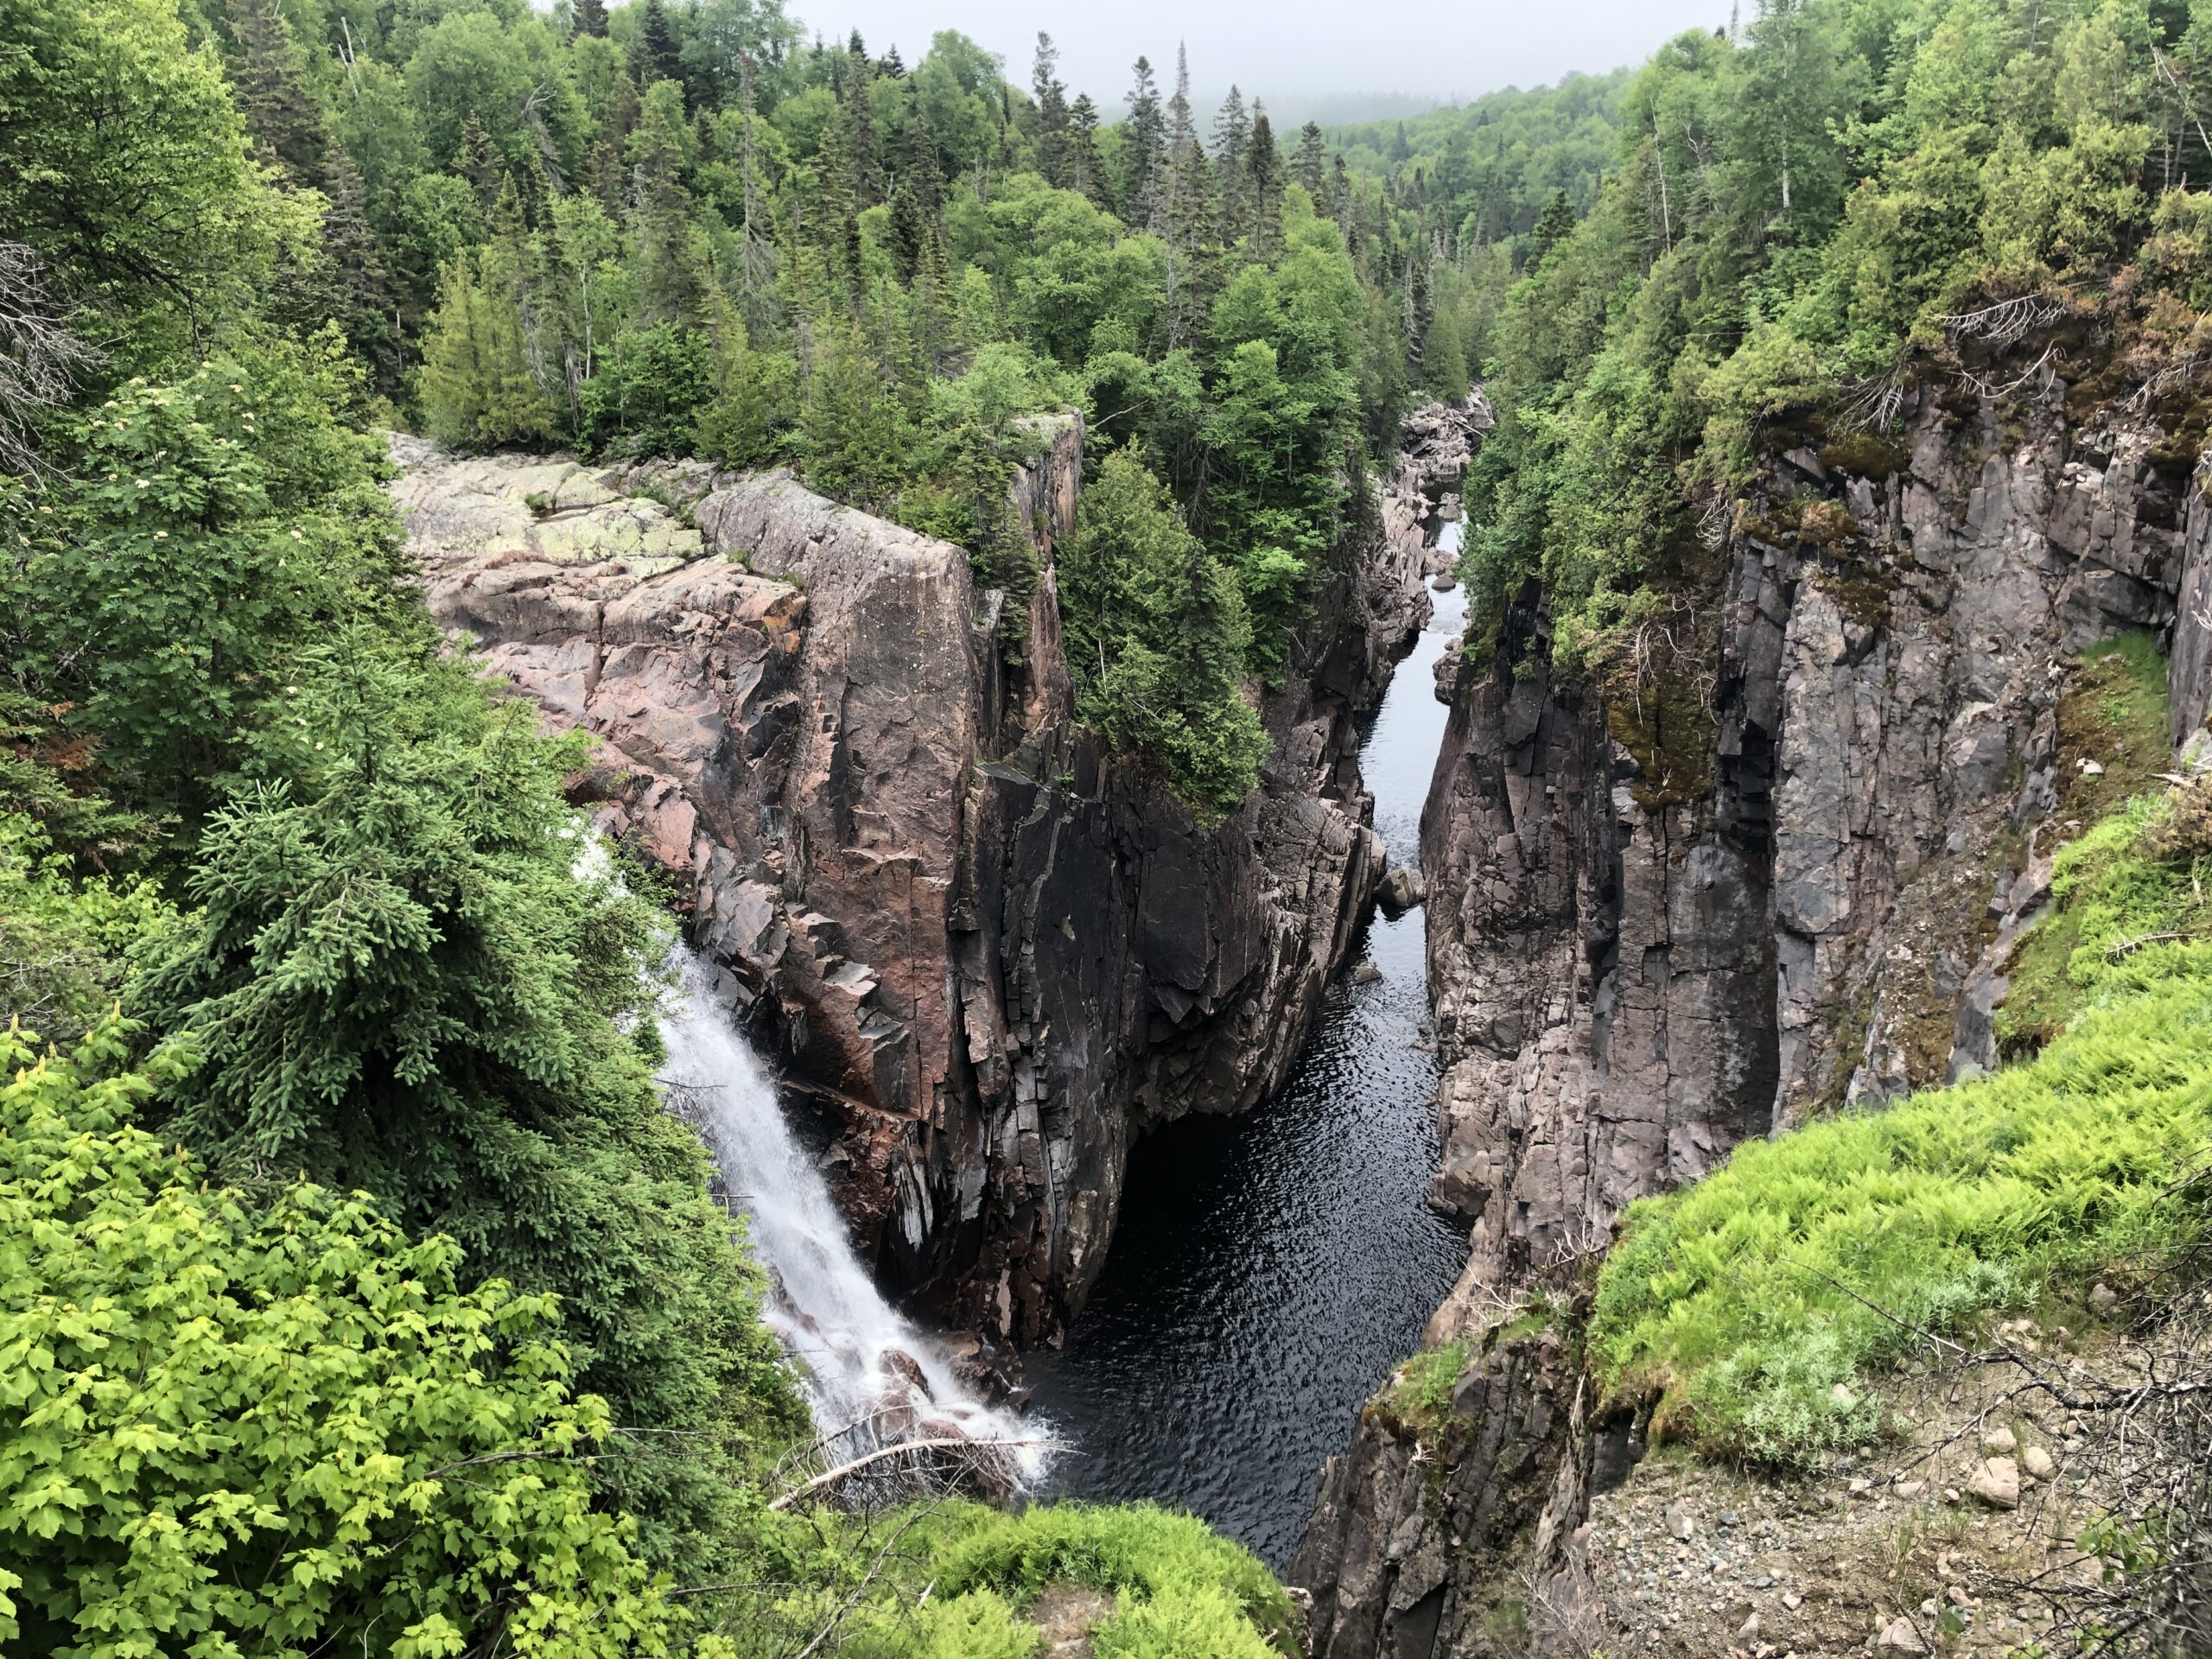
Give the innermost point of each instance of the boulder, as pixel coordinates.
(1402, 890)
(1996, 1482)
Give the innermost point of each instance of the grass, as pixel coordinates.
(1756, 1302)
(1181, 1591)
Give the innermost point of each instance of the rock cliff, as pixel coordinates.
(988, 954)
(1770, 864)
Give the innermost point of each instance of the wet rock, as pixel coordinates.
(1365, 973)
(1402, 890)
(908, 1369)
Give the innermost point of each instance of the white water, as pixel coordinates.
(847, 1340)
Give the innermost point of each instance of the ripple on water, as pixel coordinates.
(1267, 1271)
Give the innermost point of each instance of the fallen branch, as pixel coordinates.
(831, 1476)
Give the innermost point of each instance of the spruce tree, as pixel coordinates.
(1144, 148)
(1311, 168)
(1052, 113)
(857, 116)
(1263, 168)
(1232, 143)
(479, 163)
(589, 17)
(363, 302)
(1557, 220)
(663, 61)
(269, 85)
(1082, 147)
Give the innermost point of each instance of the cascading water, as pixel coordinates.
(871, 1376)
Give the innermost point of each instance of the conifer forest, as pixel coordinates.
(701, 779)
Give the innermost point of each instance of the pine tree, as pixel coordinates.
(1144, 148)
(1311, 168)
(1401, 148)
(1051, 116)
(270, 87)
(589, 17)
(663, 60)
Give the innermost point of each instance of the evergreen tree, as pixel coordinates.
(267, 79)
(479, 163)
(662, 59)
(864, 162)
(1232, 144)
(1263, 165)
(1311, 167)
(1051, 112)
(1082, 148)
(917, 204)
(589, 17)
(1144, 148)
(366, 304)
(1558, 219)
(476, 383)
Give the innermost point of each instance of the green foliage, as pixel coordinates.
(406, 977)
(1419, 1394)
(65, 945)
(1184, 1591)
(648, 400)
(231, 1427)
(1759, 1299)
(1789, 223)
(1157, 634)
(212, 527)
(124, 164)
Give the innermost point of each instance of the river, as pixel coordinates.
(1268, 1270)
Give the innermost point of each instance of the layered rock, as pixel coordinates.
(989, 955)
(1771, 866)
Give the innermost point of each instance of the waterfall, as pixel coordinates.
(863, 1364)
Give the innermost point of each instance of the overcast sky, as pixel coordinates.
(1288, 49)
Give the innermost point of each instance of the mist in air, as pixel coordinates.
(1318, 57)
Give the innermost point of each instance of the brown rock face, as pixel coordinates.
(990, 954)
(1778, 874)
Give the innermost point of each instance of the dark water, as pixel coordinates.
(1269, 1270)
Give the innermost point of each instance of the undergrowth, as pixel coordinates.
(1181, 1591)
(1756, 1302)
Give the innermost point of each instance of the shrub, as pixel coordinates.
(227, 1429)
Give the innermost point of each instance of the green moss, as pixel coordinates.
(1757, 1300)
(2113, 714)
(1418, 1396)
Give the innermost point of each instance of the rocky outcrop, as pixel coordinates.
(988, 955)
(1768, 866)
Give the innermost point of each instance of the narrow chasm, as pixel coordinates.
(1269, 1269)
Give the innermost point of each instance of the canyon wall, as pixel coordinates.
(1770, 865)
(987, 954)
